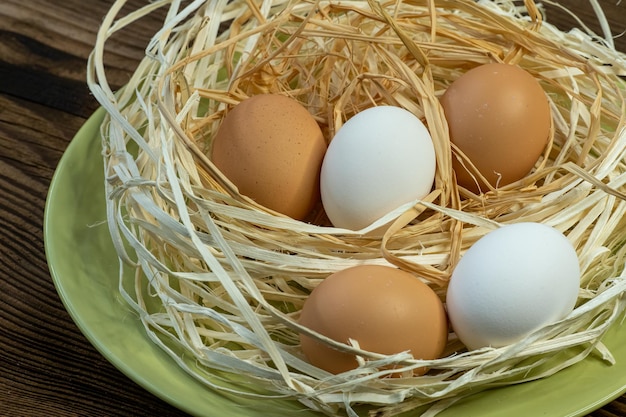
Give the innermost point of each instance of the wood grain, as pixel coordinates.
(47, 367)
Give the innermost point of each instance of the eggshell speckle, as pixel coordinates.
(384, 309)
(272, 149)
(511, 282)
(499, 117)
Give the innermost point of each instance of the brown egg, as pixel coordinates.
(499, 117)
(384, 309)
(272, 149)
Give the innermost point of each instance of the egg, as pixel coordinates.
(386, 310)
(272, 149)
(511, 282)
(380, 159)
(499, 117)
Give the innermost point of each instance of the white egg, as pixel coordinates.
(380, 159)
(511, 282)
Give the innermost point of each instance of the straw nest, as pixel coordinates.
(218, 281)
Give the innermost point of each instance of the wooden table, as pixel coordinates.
(47, 367)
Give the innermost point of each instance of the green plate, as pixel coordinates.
(84, 268)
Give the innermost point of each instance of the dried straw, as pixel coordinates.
(219, 280)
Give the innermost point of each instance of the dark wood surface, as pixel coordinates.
(47, 367)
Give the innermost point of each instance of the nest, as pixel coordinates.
(218, 281)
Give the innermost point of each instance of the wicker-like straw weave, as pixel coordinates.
(218, 281)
